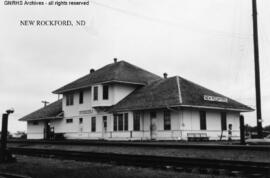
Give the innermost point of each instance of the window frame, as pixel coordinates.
(115, 123)
(223, 120)
(203, 122)
(153, 114)
(81, 97)
(69, 99)
(105, 92)
(95, 93)
(105, 121)
(120, 122)
(93, 124)
(35, 123)
(69, 121)
(80, 120)
(136, 121)
(167, 120)
(125, 121)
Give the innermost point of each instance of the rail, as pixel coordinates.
(179, 145)
(207, 166)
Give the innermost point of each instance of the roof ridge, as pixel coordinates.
(117, 71)
(137, 67)
(179, 89)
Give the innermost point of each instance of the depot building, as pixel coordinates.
(121, 101)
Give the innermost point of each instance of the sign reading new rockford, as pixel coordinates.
(215, 98)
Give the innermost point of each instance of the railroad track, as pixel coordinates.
(144, 144)
(8, 175)
(200, 166)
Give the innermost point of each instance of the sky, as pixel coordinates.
(208, 42)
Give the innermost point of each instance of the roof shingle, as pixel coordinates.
(175, 91)
(52, 111)
(121, 72)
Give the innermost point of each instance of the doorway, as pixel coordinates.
(105, 127)
(48, 130)
(153, 125)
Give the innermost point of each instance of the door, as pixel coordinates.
(153, 125)
(47, 130)
(105, 127)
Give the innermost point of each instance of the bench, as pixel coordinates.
(197, 137)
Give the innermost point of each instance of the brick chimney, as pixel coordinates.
(115, 60)
(92, 71)
(165, 75)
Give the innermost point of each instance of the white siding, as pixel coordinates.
(116, 93)
(160, 121)
(121, 91)
(83, 130)
(100, 101)
(175, 120)
(73, 110)
(182, 122)
(213, 120)
(190, 120)
(233, 118)
(35, 131)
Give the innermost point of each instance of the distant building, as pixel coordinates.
(121, 101)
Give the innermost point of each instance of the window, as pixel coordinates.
(80, 120)
(104, 122)
(230, 126)
(93, 124)
(120, 122)
(35, 122)
(167, 120)
(95, 93)
(69, 121)
(223, 121)
(69, 99)
(81, 97)
(115, 122)
(153, 114)
(126, 121)
(136, 121)
(105, 92)
(203, 120)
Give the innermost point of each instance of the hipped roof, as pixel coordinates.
(153, 92)
(51, 111)
(117, 72)
(175, 92)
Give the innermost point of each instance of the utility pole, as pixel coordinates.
(257, 68)
(45, 103)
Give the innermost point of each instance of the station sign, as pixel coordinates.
(89, 111)
(215, 99)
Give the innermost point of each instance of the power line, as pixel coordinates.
(162, 21)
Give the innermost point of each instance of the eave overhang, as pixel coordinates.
(59, 91)
(43, 118)
(183, 107)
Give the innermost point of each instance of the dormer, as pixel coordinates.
(109, 94)
(101, 95)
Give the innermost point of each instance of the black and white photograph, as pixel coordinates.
(135, 88)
